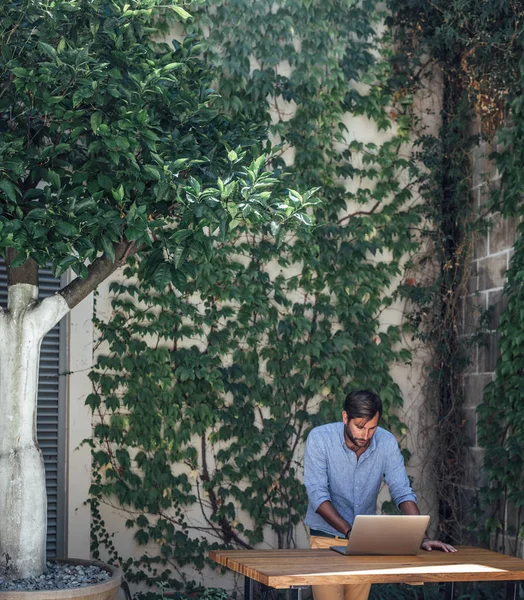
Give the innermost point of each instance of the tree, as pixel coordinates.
(110, 147)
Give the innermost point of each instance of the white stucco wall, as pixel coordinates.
(78, 419)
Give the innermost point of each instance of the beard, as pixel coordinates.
(355, 441)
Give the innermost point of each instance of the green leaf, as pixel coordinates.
(171, 67)
(105, 182)
(134, 233)
(92, 400)
(20, 72)
(181, 12)
(141, 117)
(179, 256)
(152, 171)
(85, 205)
(258, 164)
(118, 194)
(64, 264)
(8, 188)
(54, 179)
(295, 197)
(96, 120)
(49, 50)
(108, 248)
(179, 163)
(181, 234)
(37, 213)
(66, 229)
(162, 275)
(304, 218)
(275, 228)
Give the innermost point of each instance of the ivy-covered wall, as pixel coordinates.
(204, 392)
(500, 412)
(482, 307)
(475, 186)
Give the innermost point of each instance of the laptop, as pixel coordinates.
(385, 535)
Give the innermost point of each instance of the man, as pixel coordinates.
(344, 465)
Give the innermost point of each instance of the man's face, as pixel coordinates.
(360, 431)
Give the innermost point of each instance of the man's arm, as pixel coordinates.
(317, 483)
(411, 508)
(330, 514)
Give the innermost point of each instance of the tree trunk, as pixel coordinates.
(23, 503)
(23, 499)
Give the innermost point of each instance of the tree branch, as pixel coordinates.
(359, 213)
(98, 271)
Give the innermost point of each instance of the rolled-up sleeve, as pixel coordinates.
(396, 477)
(316, 471)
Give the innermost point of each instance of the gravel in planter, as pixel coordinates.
(57, 576)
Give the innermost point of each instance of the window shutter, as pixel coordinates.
(50, 414)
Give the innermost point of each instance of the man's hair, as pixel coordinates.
(362, 404)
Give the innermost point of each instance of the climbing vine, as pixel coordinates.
(473, 48)
(203, 393)
(501, 416)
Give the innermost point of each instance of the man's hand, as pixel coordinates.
(430, 545)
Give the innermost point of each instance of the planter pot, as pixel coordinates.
(106, 590)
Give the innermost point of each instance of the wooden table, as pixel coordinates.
(284, 569)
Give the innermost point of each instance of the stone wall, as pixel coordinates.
(483, 302)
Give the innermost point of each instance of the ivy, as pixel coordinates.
(200, 430)
(501, 416)
(475, 48)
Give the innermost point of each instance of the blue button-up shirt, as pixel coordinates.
(332, 472)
